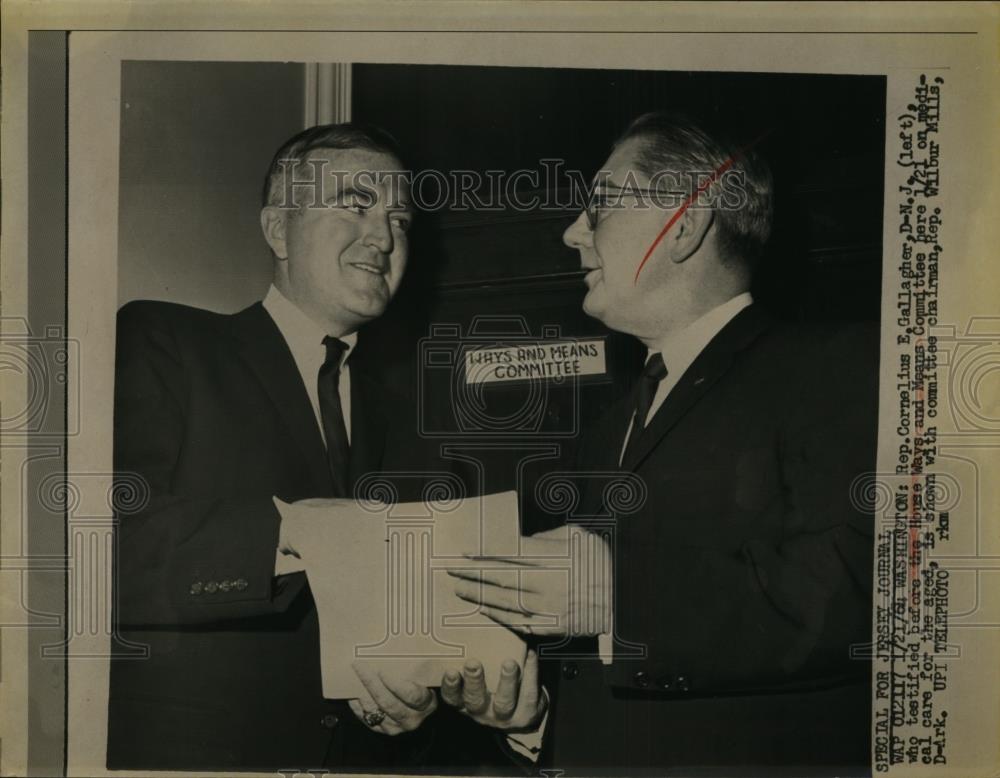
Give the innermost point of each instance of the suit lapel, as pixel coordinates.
(261, 346)
(605, 445)
(708, 367)
(368, 422)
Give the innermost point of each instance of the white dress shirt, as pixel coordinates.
(305, 340)
(680, 349)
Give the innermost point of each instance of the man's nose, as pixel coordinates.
(378, 232)
(579, 235)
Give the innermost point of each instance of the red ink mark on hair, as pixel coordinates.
(687, 203)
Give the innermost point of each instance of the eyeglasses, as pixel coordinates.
(602, 201)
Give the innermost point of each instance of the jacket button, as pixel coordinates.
(666, 683)
(641, 679)
(570, 670)
(211, 587)
(196, 588)
(330, 721)
(682, 683)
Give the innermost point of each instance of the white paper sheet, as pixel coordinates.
(384, 597)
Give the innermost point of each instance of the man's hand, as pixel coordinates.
(391, 706)
(562, 586)
(517, 705)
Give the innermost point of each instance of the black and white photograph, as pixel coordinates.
(717, 239)
(499, 402)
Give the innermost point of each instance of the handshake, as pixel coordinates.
(393, 706)
(559, 584)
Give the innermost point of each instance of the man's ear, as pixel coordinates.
(689, 233)
(272, 223)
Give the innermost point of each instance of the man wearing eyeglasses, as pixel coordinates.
(736, 629)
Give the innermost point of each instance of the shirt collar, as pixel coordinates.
(680, 349)
(303, 336)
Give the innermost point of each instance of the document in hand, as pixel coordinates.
(378, 574)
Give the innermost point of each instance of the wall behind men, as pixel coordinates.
(823, 135)
(475, 272)
(196, 140)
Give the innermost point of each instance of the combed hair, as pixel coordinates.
(676, 142)
(324, 136)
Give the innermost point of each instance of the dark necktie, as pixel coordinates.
(654, 372)
(337, 450)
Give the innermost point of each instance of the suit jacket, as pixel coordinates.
(211, 411)
(745, 574)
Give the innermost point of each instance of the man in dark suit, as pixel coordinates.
(228, 418)
(735, 633)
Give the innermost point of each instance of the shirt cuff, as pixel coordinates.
(284, 564)
(529, 744)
